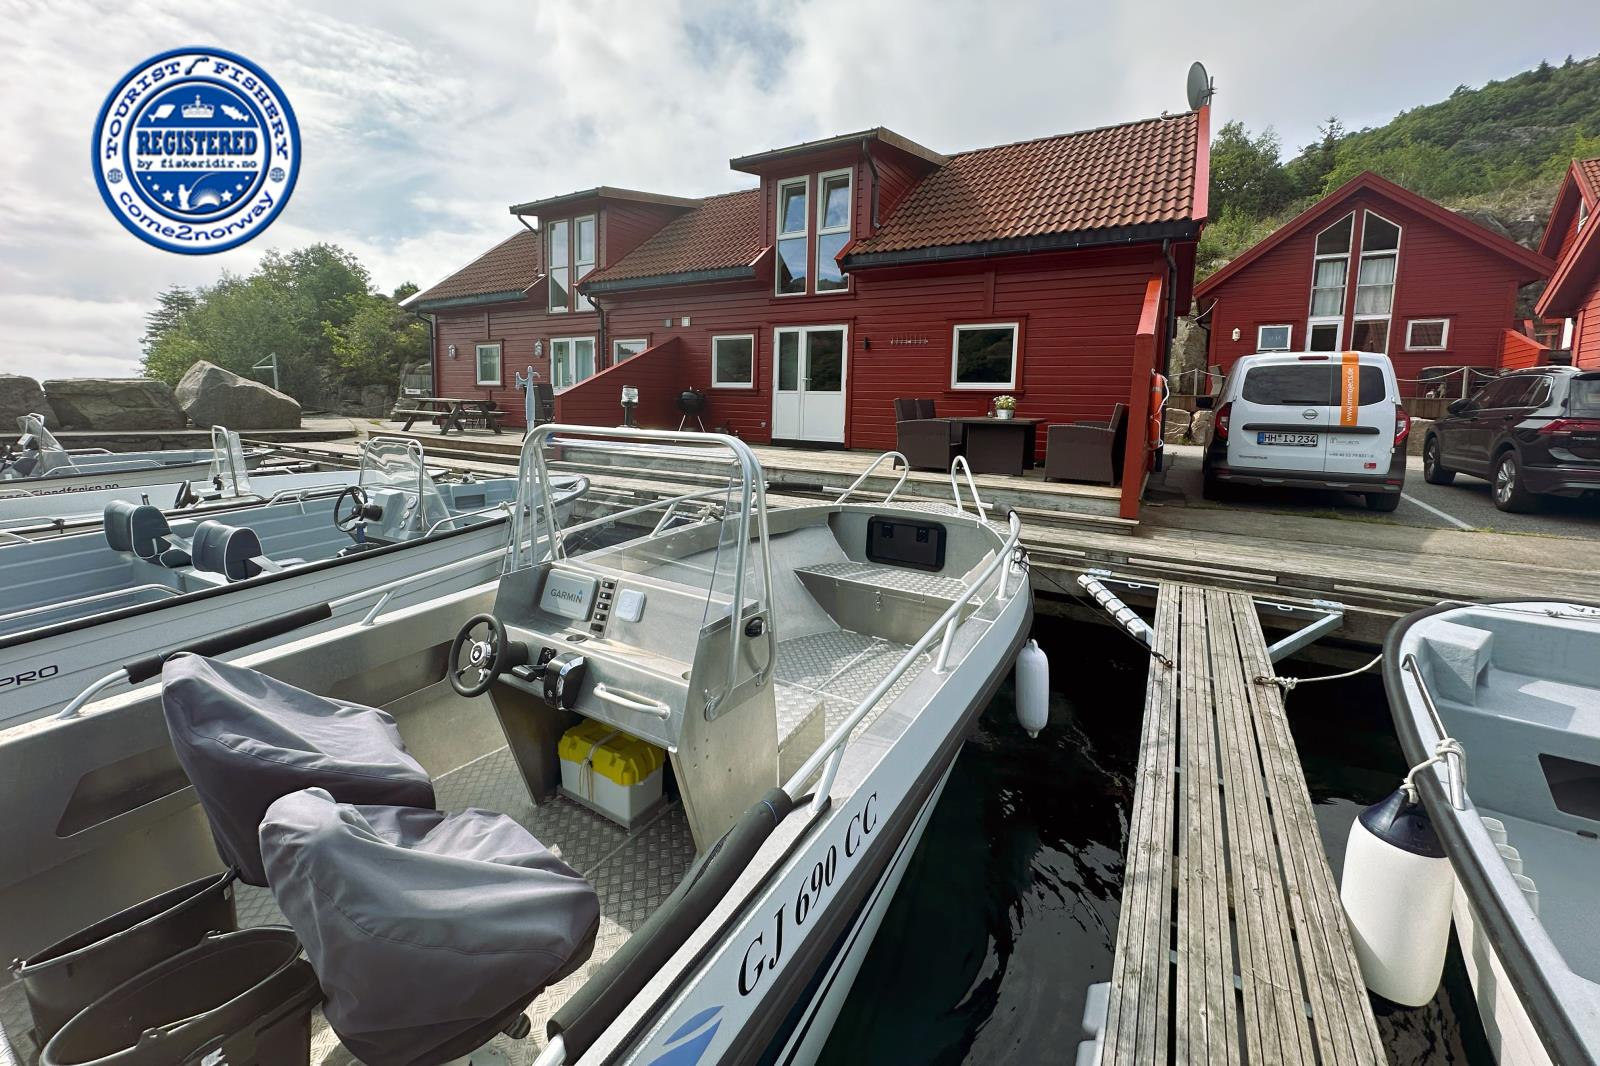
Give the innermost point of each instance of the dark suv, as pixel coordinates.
(1529, 433)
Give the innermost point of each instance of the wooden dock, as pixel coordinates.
(1232, 946)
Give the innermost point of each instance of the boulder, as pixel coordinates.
(113, 404)
(212, 396)
(20, 396)
(1188, 363)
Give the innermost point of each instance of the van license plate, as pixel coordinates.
(1295, 440)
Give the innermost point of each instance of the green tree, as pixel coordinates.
(1246, 174)
(377, 340)
(171, 306)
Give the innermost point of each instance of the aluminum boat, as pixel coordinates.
(1504, 699)
(811, 674)
(72, 608)
(41, 464)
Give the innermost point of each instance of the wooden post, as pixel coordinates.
(1136, 455)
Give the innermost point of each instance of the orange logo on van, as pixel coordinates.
(1349, 388)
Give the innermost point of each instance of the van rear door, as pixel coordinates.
(1277, 416)
(1360, 440)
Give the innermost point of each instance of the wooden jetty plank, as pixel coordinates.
(1251, 892)
(1346, 1029)
(1145, 929)
(1277, 1030)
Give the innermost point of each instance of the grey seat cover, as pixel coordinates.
(428, 931)
(245, 739)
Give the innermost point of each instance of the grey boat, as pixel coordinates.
(72, 608)
(41, 465)
(1510, 691)
(811, 675)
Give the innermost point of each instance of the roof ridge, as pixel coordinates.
(1074, 133)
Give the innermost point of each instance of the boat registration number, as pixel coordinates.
(1294, 440)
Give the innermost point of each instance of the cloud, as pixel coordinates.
(423, 121)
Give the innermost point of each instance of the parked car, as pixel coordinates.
(1288, 419)
(1530, 433)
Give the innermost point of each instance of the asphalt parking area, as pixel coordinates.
(1464, 505)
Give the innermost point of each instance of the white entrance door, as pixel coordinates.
(808, 392)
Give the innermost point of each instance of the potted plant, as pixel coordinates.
(1005, 406)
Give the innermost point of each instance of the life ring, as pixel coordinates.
(1158, 400)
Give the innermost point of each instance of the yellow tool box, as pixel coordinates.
(611, 772)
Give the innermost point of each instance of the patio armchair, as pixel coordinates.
(927, 442)
(544, 402)
(1087, 451)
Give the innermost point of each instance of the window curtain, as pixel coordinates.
(1375, 289)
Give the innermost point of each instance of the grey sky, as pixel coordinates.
(422, 121)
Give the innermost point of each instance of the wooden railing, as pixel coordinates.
(1136, 456)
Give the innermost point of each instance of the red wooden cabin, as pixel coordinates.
(861, 268)
(1573, 295)
(1375, 267)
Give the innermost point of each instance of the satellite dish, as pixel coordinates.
(1201, 87)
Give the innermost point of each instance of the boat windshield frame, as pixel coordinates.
(534, 484)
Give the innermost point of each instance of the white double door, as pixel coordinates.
(811, 367)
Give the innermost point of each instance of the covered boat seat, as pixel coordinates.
(246, 739)
(142, 529)
(430, 932)
(232, 551)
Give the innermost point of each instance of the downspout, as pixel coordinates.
(433, 355)
(872, 165)
(1172, 306)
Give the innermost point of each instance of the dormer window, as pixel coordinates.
(833, 229)
(792, 215)
(570, 255)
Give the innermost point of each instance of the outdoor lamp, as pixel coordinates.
(1235, 332)
(630, 400)
(451, 351)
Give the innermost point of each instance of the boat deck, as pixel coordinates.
(1232, 946)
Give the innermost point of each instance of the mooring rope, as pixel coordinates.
(1288, 683)
(1446, 747)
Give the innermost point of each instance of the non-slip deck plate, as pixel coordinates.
(1232, 946)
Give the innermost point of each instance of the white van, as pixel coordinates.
(1313, 420)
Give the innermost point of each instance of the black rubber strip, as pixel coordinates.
(148, 666)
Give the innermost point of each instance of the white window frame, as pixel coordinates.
(571, 343)
(1312, 318)
(781, 235)
(955, 353)
(499, 363)
(551, 268)
(849, 221)
(1444, 334)
(616, 345)
(1583, 214)
(582, 267)
(716, 381)
(1288, 341)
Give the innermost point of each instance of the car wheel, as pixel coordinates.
(1509, 493)
(1383, 501)
(1433, 471)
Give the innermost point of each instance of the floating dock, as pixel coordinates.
(1232, 946)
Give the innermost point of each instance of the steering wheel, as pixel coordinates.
(488, 655)
(358, 508)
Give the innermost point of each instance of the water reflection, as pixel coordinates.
(1008, 910)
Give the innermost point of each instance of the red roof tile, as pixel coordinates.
(507, 270)
(1138, 173)
(724, 232)
(1589, 170)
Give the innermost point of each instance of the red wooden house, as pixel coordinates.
(861, 268)
(1573, 295)
(1374, 267)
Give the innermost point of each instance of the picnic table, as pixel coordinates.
(447, 411)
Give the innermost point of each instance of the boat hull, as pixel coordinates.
(94, 479)
(31, 508)
(776, 980)
(1505, 1017)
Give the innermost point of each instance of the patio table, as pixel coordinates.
(447, 411)
(999, 445)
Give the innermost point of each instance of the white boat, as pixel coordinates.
(40, 465)
(1515, 802)
(76, 609)
(811, 673)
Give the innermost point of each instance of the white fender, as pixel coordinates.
(1033, 688)
(1396, 890)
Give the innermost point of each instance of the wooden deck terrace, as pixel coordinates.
(1231, 944)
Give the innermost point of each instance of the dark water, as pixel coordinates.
(1008, 910)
